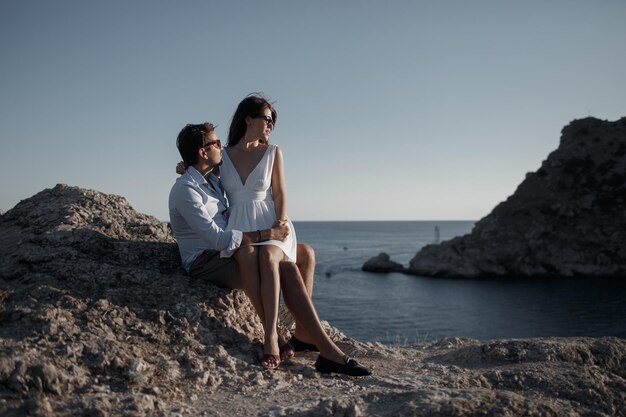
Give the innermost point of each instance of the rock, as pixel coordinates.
(138, 372)
(86, 294)
(566, 219)
(382, 263)
(97, 318)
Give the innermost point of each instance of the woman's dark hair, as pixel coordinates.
(192, 138)
(253, 105)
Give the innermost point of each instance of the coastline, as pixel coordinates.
(99, 319)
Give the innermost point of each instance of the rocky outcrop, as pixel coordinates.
(97, 318)
(566, 219)
(93, 301)
(382, 263)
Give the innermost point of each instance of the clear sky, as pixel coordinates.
(395, 110)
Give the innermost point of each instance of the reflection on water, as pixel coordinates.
(400, 308)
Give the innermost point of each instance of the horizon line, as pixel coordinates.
(396, 220)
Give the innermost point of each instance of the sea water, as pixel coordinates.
(396, 308)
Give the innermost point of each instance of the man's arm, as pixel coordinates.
(279, 232)
(191, 207)
(199, 217)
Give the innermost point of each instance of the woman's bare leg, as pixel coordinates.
(306, 265)
(249, 279)
(269, 260)
(299, 303)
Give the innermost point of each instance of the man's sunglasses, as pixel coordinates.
(217, 143)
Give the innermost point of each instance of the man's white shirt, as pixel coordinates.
(198, 216)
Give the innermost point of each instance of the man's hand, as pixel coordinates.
(181, 168)
(279, 231)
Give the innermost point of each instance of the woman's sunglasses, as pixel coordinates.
(268, 119)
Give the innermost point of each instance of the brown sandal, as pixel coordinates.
(286, 351)
(269, 361)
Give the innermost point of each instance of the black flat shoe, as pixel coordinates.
(300, 346)
(350, 367)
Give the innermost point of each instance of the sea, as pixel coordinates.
(399, 309)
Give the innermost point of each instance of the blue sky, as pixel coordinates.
(398, 110)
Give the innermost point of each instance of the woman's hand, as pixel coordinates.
(279, 232)
(181, 168)
(280, 223)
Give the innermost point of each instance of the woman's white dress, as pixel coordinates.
(251, 204)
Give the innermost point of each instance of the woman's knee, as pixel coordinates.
(289, 272)
(269, 254)
(305, 254)
(248, 251)
(247, 254)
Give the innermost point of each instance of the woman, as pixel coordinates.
(252, 176)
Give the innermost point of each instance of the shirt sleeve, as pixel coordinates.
(235, 243)
(194, 211)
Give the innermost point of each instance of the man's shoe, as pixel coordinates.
(350, 367)
(300, 346)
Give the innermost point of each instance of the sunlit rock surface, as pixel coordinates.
(97, 318)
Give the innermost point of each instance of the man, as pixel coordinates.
(198, 215)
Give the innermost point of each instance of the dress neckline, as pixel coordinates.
(243, 183)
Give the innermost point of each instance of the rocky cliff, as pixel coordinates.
(566, 219)
(97, 319)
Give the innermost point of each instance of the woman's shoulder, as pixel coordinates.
(274, 147)
(275, 152)
(268, 148)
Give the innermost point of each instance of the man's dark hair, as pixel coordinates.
(192, 138)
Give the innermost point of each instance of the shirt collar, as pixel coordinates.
(195, 175)
(213, 182)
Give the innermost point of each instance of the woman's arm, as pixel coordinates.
(278, 187)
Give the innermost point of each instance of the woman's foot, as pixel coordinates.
(271, 352)
(349, 367)
(286, 350)
(300, 346)
(269, 361)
